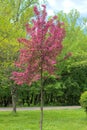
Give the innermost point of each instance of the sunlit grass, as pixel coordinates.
(53, 120)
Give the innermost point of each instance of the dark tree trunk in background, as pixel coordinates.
(13, 93)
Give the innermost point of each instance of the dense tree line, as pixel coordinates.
(72, 80)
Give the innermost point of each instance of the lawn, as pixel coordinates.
(53, 120)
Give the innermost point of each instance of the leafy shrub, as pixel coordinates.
(83, 101)
(25, 104)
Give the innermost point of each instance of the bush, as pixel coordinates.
(83, 101)
(25, 104)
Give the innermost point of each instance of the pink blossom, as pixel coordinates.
(53, 62)
(55, 17)
(44, 6)
(36, 10)
(41, 49)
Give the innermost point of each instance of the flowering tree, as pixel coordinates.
(39, 51)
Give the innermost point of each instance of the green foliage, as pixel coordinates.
(74, 70)
(25, 104)
(83, 101)
(13, 16)
(71, 91)
(75, 40)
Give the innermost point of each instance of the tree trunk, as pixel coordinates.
(41, 118)
(14, 102)
(13, 93)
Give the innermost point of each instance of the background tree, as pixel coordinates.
(13, 15)
(74, 69)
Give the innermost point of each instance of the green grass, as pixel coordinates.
(53, 120)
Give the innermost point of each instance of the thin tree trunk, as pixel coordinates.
(13, 93)
(14, 103)
(41, 118)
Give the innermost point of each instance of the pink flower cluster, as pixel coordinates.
(41, 49)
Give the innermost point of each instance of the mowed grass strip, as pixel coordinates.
(53, 120)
